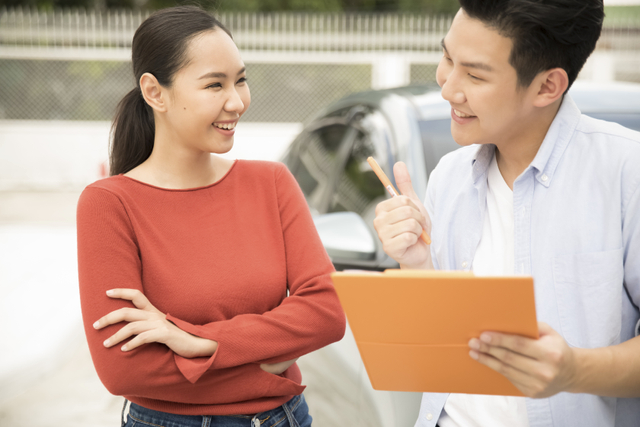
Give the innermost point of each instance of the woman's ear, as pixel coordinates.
(153, 92)
(552, 84)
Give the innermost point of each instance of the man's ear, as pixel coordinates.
(153, 92)
(551, 85)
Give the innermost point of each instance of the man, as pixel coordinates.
(537, 189)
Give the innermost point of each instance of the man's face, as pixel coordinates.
(487, 107)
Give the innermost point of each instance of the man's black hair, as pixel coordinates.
(546, 34)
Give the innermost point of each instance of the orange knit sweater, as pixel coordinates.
(218, 260)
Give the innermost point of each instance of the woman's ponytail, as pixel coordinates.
(132, 133)
(159, 47)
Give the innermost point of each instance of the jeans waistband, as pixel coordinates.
(164, 419)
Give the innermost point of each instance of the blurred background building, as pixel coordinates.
(65, 64)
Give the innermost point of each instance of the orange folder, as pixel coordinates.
(412, 326)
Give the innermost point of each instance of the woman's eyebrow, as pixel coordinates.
(219, 75)
(476, 65)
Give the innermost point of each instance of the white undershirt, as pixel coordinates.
(494, 257)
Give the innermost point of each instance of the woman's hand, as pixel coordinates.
(277, 368)
(147, 324)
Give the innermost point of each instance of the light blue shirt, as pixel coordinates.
(577, 232)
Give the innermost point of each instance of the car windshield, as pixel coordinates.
(628, 120)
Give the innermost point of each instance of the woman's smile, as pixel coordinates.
(226, 128)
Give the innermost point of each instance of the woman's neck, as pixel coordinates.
(180, 169)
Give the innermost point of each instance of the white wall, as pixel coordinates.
(50, 155)
(622, 2)
(65, 155)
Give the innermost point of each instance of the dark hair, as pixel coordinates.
(159, 47)
(545, 33)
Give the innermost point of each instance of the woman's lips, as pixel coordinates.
(225, 132)
(226, 128)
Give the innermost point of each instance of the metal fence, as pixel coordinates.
(90, 90)
(267, 31)
(25, 27)
(74, 64)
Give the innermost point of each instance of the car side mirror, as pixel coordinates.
(345, 236)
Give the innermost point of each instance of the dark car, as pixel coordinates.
(410, 124)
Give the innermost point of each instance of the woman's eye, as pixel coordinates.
(242, 80)
(214, 85)
(474, 77)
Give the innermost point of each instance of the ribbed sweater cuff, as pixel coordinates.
(192, 369)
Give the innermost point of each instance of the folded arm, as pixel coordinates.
(108, 258)
(308, 319)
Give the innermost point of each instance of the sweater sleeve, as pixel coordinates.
(308, 319)
(108, 258)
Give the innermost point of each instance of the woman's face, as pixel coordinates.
(209, 94)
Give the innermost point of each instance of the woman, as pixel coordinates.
(202, 279)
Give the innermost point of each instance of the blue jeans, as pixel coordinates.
(294, 413)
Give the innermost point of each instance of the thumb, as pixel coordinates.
(403, 180)
(545, 329)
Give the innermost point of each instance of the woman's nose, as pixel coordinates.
(234, 102)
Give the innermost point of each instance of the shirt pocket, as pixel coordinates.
(589, 297)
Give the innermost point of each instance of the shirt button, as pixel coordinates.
(429, 417)
(544, 178)
(464, 264)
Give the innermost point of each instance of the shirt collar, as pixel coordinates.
(482, 160)
(550, 152)
(556, 141)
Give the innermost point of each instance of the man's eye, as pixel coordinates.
(474, 77)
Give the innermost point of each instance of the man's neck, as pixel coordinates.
(513, 157)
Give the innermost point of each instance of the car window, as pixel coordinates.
(436, 141)
(628, 120)
(312, 160)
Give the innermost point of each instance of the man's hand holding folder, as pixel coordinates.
(538, 368)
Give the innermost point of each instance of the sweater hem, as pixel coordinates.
(237, 408)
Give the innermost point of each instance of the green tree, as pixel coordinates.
(421, 6)
(49, 4)
(414, 6)
(280, 5)
(429, 6)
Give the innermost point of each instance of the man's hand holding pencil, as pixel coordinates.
(402, 222)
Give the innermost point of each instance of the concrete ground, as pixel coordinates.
(47, 377)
